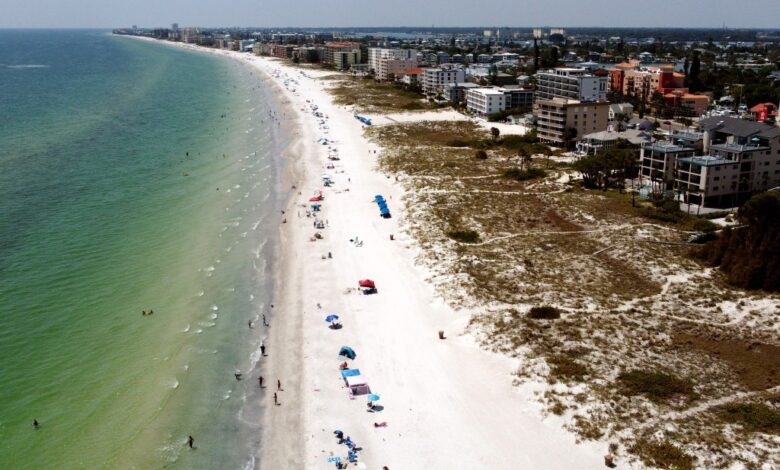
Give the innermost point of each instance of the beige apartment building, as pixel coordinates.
(562, 121)
(341, 55)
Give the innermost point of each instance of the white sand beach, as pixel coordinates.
(447, 403)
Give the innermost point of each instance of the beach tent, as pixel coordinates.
(349, 373)
(358, 385)
(347, 352)
(367, 283)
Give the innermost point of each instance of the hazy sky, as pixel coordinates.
(335, 13)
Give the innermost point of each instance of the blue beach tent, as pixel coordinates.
(349, 373)
(347, 352)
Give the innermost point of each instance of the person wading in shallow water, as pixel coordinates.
(191, 442)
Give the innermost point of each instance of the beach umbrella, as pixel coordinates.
(331, 318)
(373, 397)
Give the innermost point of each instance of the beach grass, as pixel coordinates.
(622, 282)
(367, 95)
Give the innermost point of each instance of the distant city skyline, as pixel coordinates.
(367, 13)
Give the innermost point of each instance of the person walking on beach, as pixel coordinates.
(279, 385)
(276, 401)
(191, 442)
(262, 349)
(265, 323)
(260, 381)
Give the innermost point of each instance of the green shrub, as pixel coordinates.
(704, 225)
(413, 106)
(544, 313)
(656, 386)
(754, 417)
(663, 454)
(459, 143)
(659, 214)
(716, 215)
(565, 367)
(464, 236)
(529, 174)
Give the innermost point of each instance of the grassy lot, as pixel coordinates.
(631, 334)
(370, 96)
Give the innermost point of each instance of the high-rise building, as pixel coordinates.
(571, 83)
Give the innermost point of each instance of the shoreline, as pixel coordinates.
(285, 328)
(448, 404)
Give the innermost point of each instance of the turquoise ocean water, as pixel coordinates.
(133, 176)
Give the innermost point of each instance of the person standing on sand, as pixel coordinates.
(191, 442)
(279, 385)
(262, 349)
(260, 381)
(265, 323)
(276, 401)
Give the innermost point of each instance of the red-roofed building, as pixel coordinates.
(632, 79)
(410, 76)
(762, 111)
(680, 98)
(342, 54)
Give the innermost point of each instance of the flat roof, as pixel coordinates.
(731, 147)
(488, 91)
(706, 160)
(668, 147)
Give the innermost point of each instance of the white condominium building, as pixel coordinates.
(380, 60)
(436, 79)
(571, 83)
(484, 101)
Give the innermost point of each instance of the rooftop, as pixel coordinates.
(738, 148)
(739, 127)
(488, 91)
(693, 136)
(667, 147)
(706, 160)
(632, 135)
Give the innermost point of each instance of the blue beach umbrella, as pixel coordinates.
(373, 397)
(331, 318)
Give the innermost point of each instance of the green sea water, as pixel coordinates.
(133, 176)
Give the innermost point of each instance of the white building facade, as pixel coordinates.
(436, 79)
(484, 101)
(571, 83)
(377, 56)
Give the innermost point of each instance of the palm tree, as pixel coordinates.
(522, 152)
(494, 132)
